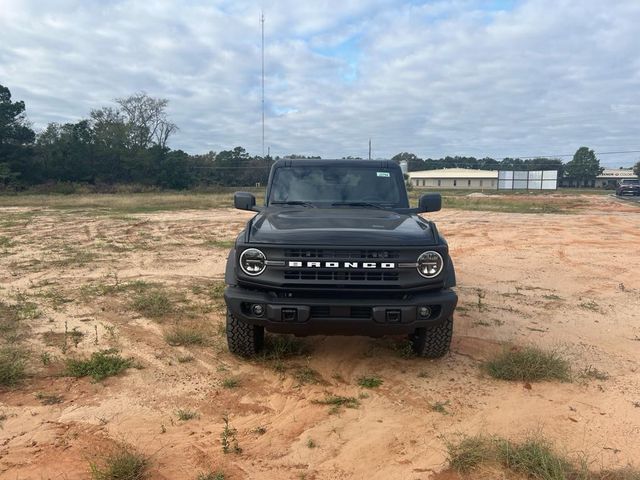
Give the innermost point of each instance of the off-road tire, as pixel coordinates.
(432, 342)
(243, 338)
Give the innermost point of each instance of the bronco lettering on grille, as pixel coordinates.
(298, 264)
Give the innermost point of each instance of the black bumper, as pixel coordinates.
(340, 315)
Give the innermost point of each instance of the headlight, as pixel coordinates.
(253, 261)
(430, 264)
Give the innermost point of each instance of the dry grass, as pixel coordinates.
(529, 364)
(534, 457)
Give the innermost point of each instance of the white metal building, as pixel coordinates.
(463, 178)
(610, 176)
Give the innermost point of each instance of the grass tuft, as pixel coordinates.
(280, 347)
(230, 383)
(336, 402)
(12, 365)
(370, 381)
(184, 336)
(529, 364)
(123, 463)
(154, 303)
(184, 414)
(99, 366)
(211, 476)
(534, 457)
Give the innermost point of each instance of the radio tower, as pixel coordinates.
(262, 25)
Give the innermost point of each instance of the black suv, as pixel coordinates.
(630, 186)
(336, 249)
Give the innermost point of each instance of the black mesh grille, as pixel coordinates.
(340, 312)
(340, 254)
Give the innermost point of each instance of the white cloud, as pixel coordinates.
(436, 78)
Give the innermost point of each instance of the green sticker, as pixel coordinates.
(383, 174)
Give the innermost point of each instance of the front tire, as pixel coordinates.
(243, 338)
(432, 342)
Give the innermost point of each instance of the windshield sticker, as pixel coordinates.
(383, 174)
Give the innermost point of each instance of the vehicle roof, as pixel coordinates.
(315, 162)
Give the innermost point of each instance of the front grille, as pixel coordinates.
(341, 312)
(339, 254)
(351, 275)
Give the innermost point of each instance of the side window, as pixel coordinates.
(455, 183)
(439, 182)
(468, 183)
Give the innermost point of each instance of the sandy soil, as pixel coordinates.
(560, 281)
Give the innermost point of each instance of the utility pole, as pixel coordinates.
(262, 25)
(369, 149)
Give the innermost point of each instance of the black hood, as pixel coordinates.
(338, 226)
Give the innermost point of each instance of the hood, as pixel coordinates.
(338, 226)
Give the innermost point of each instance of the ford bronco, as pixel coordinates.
(336, 249)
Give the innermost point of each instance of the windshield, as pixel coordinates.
(630, 182)
(329, 184)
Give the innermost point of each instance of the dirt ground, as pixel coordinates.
(564, 281)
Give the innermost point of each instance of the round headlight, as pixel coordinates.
(430, 264)
(253, 261)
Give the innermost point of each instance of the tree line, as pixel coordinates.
(128, 143)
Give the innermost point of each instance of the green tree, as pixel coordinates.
(584, 167)
(14, 128)
(636, 169)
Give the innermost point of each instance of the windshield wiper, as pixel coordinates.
(293, 202)
(357, 204)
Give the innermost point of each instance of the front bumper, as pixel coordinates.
(340, 315)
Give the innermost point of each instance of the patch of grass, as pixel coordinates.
(10, 323)
(122, 463)
(46, 358)
(311, 443)
(153, 303)
(440, 407)
(185, 358)
(534, 457)
(590, 305)
(211, 476)
(47, 399)
(184, 414)
(370, 381)
(230, 383)
(6, 242)
(553, 297)
(306, 375)
(470, 452)
(594, 373)
(12, 365)
(184, 336)
(336, 402)
(99, 366)
(529, 364)
(229, 438)
(280, 347)
(75, 258)
(218, 243)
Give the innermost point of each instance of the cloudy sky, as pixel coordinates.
(483, 78)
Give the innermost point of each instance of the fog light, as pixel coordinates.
(425, 312)
(257, 309)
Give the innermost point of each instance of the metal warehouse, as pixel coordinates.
(462, 178)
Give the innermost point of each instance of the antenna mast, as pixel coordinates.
(262, 25)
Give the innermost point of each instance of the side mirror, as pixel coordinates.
(244, 201)
(431, 202)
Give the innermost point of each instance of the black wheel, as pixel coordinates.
(432, 342)
(243, 338)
